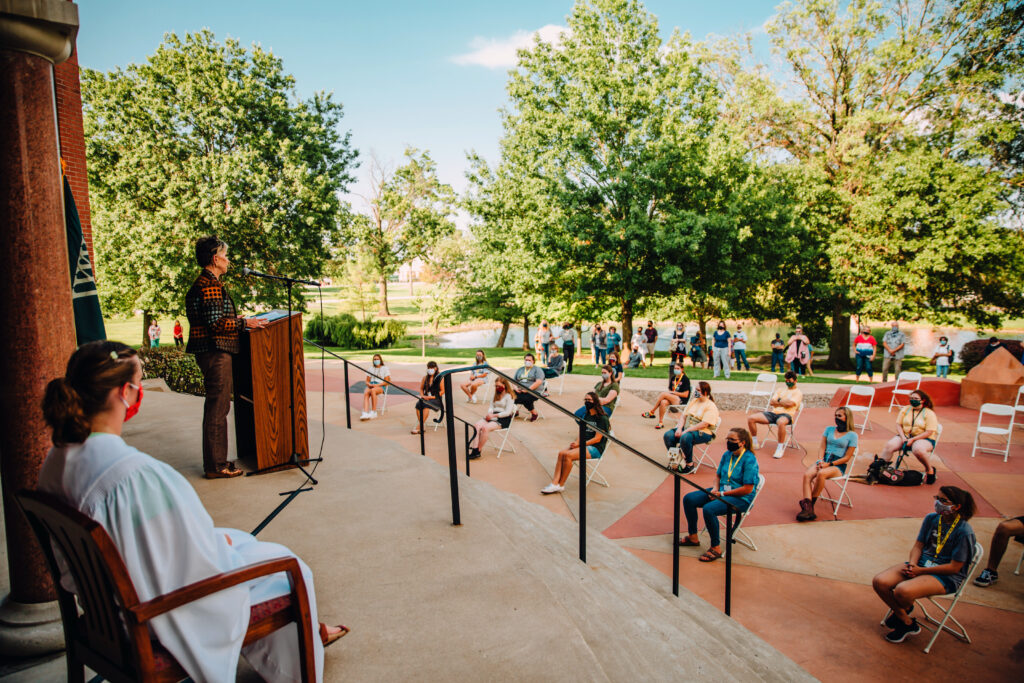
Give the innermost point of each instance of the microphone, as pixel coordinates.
(256, 273)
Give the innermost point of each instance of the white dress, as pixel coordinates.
(168, 540)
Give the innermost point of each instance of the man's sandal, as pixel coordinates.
(331, 638)
(710, 556)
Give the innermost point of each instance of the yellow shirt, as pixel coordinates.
(917, 420)
(701, 411)
(787, 394)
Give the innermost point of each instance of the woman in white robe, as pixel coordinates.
(159, 525)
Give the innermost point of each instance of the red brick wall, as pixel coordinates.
(72, 139)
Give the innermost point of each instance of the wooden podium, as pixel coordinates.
(263, 427)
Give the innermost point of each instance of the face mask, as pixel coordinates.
(943, 509)
(942, 343)
(677, 371)
(915, 402)
(696, 393)
(679, 327)
(132, 410)
(790, 384)
(499, 389)
(528, 363)
(721, 329)
(732, 447)
(430, 371)
(604, 376)
(479, 360)
(376, 363)
(841, 425)
(589, 405)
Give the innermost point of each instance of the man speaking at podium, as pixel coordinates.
(213, 337)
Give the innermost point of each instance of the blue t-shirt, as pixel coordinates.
(614, 339)
(836, 446)
(958, 545)
(744, 471)
(722, 339)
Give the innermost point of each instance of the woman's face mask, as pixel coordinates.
(677, 371)
(528, 363)
(942, 508)
(431, 371)
(915, 402)
(376, 363)
(133, 409)
(605, 376)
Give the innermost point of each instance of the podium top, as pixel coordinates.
(271, 316)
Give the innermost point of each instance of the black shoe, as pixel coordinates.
(900, 633)
(474, 453)
(688, 468)
(929, 478)
(892, 619)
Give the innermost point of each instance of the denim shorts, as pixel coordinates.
(773, 418)
(949, 583)
(593, 452)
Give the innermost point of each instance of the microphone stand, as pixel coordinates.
(294, 460)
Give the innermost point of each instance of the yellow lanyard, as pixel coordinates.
(939, 540)
(732, 466)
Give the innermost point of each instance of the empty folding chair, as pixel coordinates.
(842, 481)
(903, 388)
(939, 625)
(1018, 407)
(738, 535)
(860, 407)
(998, 410)
(773, 434)
(764, 387)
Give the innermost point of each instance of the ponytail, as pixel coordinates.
(71, 401)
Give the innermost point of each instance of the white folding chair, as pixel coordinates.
(1019, 408)
(842, 481)
(738, 535)
(705, 451)
(939, 625)
(773, 434)
(384, 400)
(504, 442)
(592, 465)
(486, 392)
(998, 410)
(1019, 563)
(764, 387)
(859, 407)
(561, 383)
(904, 378)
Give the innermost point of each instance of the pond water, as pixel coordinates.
(922, 339)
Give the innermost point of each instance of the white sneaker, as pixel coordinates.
(756, 445)
(364, 415)
(373, 414)
(779, 452)
(472, 399)
(552, 488)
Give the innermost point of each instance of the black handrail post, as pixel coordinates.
(465, 428)
(675, 536)
(453, 465)
(348, 407)
(728, 562)
(423, 445)
(583, 490)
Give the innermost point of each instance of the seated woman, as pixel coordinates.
(636, 359)
(735, 481)
(556, 364)
(917, 427)
(499, 416)
(616, 366)
(937, 565)
(696, 426)
(477, 378)
(376, 380)
(431, 391)
(158, 524)
(678, 393)
(594, 441)
(607, 391)
(838, 445)
(528, 377)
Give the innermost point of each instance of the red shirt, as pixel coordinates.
(177, 330)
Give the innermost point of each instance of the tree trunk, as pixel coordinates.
(147, 318)
(627, 323)
(702, 332)
(839, 342)
(526, 333)
(383, 310)
(505, 324)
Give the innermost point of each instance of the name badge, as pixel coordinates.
(930, 563)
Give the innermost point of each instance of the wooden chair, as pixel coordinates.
(105, 624)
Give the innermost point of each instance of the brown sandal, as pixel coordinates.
(331, 638)
(711, 555)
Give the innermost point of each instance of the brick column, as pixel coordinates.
(35, 295)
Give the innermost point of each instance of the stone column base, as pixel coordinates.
(30, 630)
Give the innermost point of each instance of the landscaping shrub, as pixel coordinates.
(973, 351)
(175, 367)
(346, 332)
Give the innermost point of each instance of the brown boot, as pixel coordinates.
(806, 511)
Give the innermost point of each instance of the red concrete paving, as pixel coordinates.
(831, 628)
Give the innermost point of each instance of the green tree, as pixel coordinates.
(208, 138)
(409, 210)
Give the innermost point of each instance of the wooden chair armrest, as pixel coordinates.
(200, 589)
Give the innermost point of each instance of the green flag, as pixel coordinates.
(84, 297)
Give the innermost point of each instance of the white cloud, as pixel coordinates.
(498, 53)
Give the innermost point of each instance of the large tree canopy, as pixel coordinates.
(208, 138)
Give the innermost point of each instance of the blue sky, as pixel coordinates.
(418, 73)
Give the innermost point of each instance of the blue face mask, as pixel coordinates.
(677, 371)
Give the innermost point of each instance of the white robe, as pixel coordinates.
(167, 540)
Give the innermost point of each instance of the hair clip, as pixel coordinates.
(113, 355)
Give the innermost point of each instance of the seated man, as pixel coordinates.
(158, 524)
(1007, 529)
(781, 412)
(595, 444)
(636, 359)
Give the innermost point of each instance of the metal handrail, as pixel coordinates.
(731, 509)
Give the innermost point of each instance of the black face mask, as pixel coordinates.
(841, 425)
(732, 446)
(589, 405)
